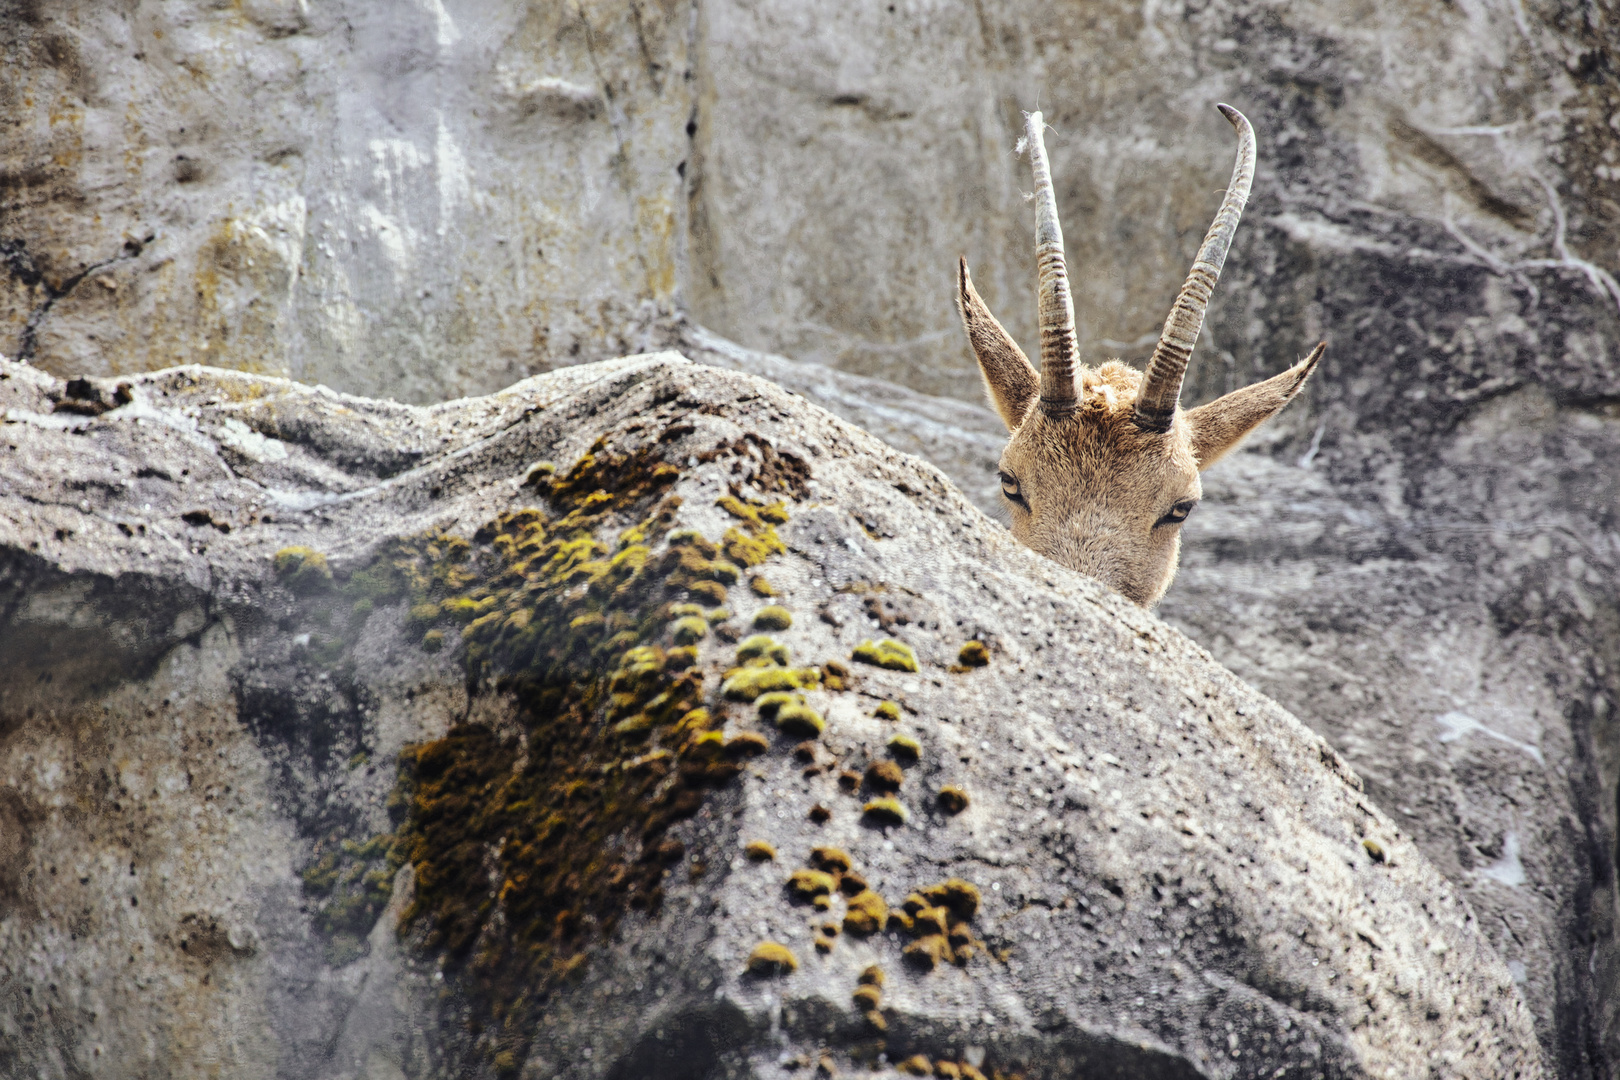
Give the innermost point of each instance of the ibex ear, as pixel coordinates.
(1221, 425)
(1008, 376)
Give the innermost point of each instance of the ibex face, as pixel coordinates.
(1102, 467)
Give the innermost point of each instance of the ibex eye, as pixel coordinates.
(1009, 488)
(1178, 513)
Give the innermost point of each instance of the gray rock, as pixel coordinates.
(206, 729)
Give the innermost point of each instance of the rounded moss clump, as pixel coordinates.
(885, 811)
(888, 710)
(800, 719)
(905, 748)
(866, 913)
(302, 569)
(868, 997)
(362, 608)
(689, 630)
(769, 704)
(884, 776)
(424, 613)
(916, 1065)
(974, 654)
(770, 958)
(746, 744)
(888, 653)
(760, 586)
(717, 615)
(773, 617)
(872, 976)
(759, 851)
(748, 684)
(952, 799)
(680, 659)
(433, 641)
(807, 884)
(831, 859)
(926, 952)
(711, 592)
(1375, 850)
(762, 647)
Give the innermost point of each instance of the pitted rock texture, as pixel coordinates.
(236, 607)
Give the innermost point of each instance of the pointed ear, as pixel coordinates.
(1009, 379)
(1222, 424)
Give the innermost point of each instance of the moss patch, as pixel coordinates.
(888, 653)
(302, 569)
(771, 958)
(531, 843)
(773, 617)
(973, 654)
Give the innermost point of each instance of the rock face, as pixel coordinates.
(426, 200)
(585, 731)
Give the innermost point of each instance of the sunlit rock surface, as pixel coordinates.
(621, 724)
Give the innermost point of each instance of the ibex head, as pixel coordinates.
(1102, 467)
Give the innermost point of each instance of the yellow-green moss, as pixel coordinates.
(759, 851)
(888, 653)
(800, 719)
(689, 630)
(771, 958)
(1375, 850)
(763, 648)
(747, 744)
(433, 641)
(302, 569)
(805, 884)
(761, 586)
(831, 859)
(952, 799)
(884, 776)
(872, 975)
(905, 748)
(887, 710)
(973, 654)
(746, 684)
(866, 913)
(885, 811)
(916, 1065)
(573, 818)
(773, 617)
(868, 997)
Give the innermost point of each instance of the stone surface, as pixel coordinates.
(220, 697)
(425, 200)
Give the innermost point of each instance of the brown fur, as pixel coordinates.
(1096, 487)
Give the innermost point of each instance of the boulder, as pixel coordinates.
(644, 719)
(428, 200)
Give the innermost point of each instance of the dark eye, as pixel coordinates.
(1178, 513)
(1009, 488)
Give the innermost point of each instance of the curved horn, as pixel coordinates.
(1161, 388)
(1056, 307)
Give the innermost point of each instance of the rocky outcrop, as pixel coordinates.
(585, 730)
(434, 200)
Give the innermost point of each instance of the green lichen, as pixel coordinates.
(888, 653)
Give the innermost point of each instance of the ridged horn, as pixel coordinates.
(1161, 388)
(1056, 307)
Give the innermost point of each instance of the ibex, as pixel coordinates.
(1102, 466)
